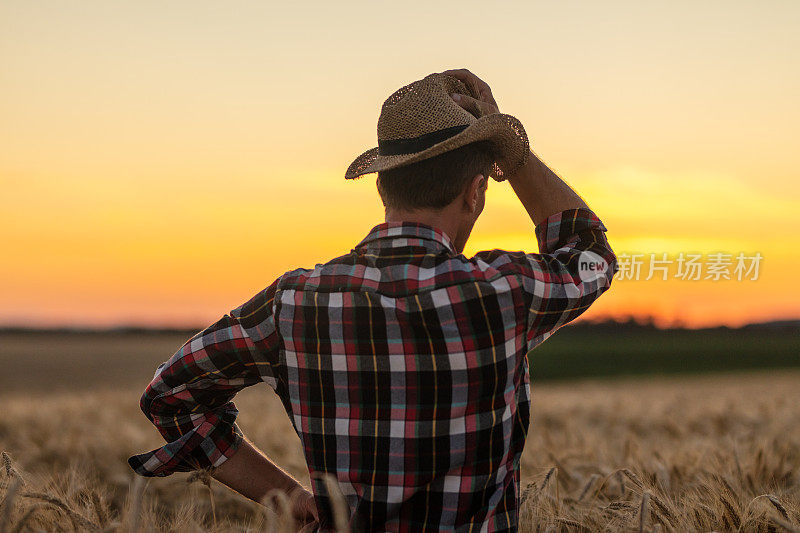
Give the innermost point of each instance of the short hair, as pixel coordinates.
(435, 182)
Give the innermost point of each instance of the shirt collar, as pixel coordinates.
(397, 234)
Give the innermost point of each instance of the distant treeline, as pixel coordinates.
(611, 348)
(630, 325)
(117, 330)
(595, 349)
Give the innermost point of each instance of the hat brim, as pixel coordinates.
(505, 132)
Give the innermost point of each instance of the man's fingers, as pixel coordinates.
(467, 77)
(477, 108)
(470, 80)
(475, 84)
(463, 75)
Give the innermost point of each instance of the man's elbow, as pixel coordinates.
(149, 400)
(612, 268)
(146, 403)
(596, 267)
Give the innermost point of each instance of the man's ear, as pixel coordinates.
(473, 197)
(380, 192)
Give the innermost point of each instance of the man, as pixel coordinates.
(401, 364)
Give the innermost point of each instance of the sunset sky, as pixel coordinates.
(162, 162)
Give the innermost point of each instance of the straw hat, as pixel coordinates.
(421, 121)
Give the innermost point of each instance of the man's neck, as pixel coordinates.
(440, 219)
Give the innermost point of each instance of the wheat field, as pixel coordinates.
(712, 453)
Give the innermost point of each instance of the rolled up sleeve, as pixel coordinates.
(190, 397)
(574, 266)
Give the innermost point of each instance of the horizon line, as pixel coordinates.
(628, 322)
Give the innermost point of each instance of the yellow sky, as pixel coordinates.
(162, 162)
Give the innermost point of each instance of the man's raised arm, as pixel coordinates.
(575, 263)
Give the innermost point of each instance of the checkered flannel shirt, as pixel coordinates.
(402, 366)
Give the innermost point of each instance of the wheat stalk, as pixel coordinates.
(571, 523)
(633, 477)
(530, 487)
(99, 509)
(778, 505)
(27, 516)
(592, 479)
(663, 511)
(339, 506)
(112, 527)
(547, 478)
(8, 503)
(731, 511)
(11, 471)
(785, 525)
(278, 500)
(135, 494)
(567, 475)
(6, 462)
(643, 510)
(75, 517)
(600, 487)
(773, 500)
(203, 476)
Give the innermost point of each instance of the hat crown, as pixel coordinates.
(423, 107)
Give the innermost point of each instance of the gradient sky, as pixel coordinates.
(162, 162)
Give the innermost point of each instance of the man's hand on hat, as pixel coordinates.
(484, 104)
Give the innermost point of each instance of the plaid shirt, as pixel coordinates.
(402, 366)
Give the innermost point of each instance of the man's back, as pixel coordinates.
(407, 377)
(404, 362)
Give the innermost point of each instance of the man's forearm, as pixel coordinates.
(253, 475)
(542, 192)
